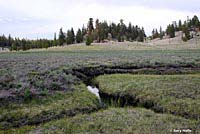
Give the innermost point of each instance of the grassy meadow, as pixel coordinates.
(43, 91)
(176, 94)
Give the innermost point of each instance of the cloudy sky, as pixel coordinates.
(41, 18)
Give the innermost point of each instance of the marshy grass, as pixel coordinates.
(114, 120)
(46, 109)
(175, 94)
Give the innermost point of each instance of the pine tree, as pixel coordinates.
(175, 26)
(129, 32)
(9, 41)
(155, 34)
(84, 31)
(144, 34)
(61, 38)
(187, 33)
(113, 30)
(90, 26)
(171, 31)
(55, 40)
(195, 21)
(69, 37)
(72, 36)
(180, 25)
(134, 33)
(23, 44)
(161, 33)
(97, 30)
(3, 42)
(141, 36)
(14, 46)
(122, 30)
(88, 40)
(79, 36)
(103, 31)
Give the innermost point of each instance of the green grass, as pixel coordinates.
(41, 110)
(39, 70)
(176, 94)
(43, 72)
(114, 120)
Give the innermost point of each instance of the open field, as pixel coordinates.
(43, 91)
(39, 71)
(148, 45)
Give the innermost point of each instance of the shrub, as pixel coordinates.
(27, 94)
(88, 40)
(184, 39)
(44, 92)
(55, 86)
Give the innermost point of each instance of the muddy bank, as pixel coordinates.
(86, 74)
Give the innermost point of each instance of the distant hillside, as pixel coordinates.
(177, 39)
(178, 31)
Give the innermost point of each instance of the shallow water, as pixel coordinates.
(94, 90)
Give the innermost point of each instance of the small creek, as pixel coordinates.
(95, 91)
(111, 100)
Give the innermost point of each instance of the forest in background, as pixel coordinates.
(103, 32)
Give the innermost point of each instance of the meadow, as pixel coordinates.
(175, 94)
(45, 91)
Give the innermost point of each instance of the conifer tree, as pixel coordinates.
(180, 25)
(69, 37)
(79, 36)
(88, 40)
(61, 38)
(171, 31)
(55, 40)
(72, 36)
(97, 30)
(161, 33)
(90, 26)
(14, 46)
(186, 32)
(84, 31)
(9, 40)
(195, 22)
(129, 32)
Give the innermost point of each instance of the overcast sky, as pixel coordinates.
(41, 18)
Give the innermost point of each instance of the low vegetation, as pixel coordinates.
(56, 106)
(44, 91)
(175, 94)
(115, 120)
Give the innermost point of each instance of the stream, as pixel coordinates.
(94, 91)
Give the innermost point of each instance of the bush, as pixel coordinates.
(55, 86)
(44, 92)
(27, 94)
(88, 40)
(184, 39)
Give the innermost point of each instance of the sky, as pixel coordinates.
(32, 19)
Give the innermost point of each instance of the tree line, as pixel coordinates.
(101, 32)
(25, 44)
(186, 27)
(94, 32)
